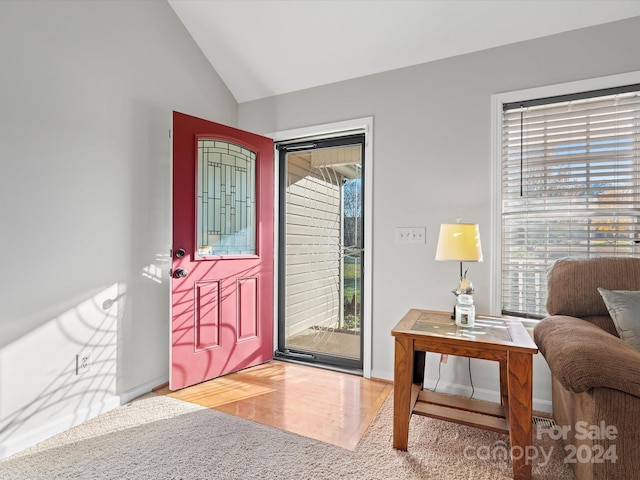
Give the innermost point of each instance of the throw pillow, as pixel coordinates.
(624, 308)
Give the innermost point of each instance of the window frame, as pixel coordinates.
(497, 102)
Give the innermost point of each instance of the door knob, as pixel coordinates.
(180, 273)
(180, 253)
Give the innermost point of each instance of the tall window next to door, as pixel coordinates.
(570, 187)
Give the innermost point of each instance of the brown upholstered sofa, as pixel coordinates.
(595, 374)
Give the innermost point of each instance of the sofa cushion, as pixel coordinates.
(624, 308)
(572, 285)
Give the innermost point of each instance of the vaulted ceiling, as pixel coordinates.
(262, 48)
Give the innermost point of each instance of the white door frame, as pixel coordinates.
(365, 125)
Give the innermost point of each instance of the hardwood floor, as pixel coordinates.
(329, 406)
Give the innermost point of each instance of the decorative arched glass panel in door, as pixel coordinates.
(226, 199)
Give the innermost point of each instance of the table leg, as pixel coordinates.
(402, 381)
(519, 366)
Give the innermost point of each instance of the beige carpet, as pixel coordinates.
(158, 437)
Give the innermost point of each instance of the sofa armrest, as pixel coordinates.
(582, 356)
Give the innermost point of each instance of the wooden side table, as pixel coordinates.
(492, 338)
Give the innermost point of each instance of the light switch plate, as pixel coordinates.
(411, 234)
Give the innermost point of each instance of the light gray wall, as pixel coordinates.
(432, 164)
(86, 95)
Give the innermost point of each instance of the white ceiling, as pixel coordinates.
(262, 48)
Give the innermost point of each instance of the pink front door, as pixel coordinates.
(222, 253)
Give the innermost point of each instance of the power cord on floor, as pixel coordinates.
(471, 379)
(473, 390)
(438, 380)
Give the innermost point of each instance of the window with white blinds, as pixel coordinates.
(570, 187)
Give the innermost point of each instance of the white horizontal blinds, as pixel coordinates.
(570, 187)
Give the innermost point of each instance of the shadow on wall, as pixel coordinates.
(62, 373)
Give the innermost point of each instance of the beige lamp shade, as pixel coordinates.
(459, 242)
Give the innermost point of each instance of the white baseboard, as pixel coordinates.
(20, 442)
(129, 395)
(540, 405)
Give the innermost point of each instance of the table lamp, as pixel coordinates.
(460, 242)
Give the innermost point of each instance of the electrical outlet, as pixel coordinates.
(83, 363)
(411, 234)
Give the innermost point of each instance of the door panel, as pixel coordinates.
(247, 313)
(207, 315)
(222, 264)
